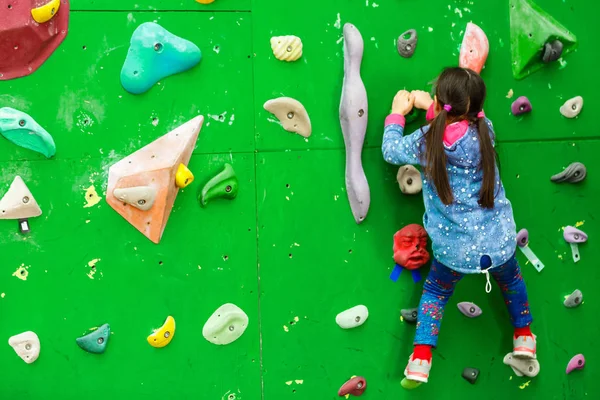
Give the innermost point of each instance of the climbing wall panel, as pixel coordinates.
(160, 5)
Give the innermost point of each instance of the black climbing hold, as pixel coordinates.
(574, 173)
(471, 375)
(410, 314)
(406, 46)
(552, 51)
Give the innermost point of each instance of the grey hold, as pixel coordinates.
(574, 299)
(354, 113)
(576, 172)
(407, 46)
(471, 375)
(410, 314)
(552, 51)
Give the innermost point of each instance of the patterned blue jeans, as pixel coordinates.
(440, 284)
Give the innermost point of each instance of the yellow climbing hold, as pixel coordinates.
(183, 177)
(46, 12)
(205, 1)
(523, 386)
(163, 336)
(286, 48)
(409, 384)
(91, 197)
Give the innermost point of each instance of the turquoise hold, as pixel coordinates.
(96, 341)
(155, 53)
(23, 131)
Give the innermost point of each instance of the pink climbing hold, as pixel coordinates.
(474, 49)
(577, 362)
(355, 386)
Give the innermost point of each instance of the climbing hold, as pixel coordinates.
(163, 335)
(471, 375)
(24, 226)
(224, 184)
(552, 51)
(292, 115)
(23, 131)
(577, 362)
(572, 107)
(573, 236)
(412, 116)
(574, 299)
(520, 106)
(286, 48)
(407, 43)
(410, 247)
(474, 49)
(530, 29)
(205, 1)
(355, 386)
(354, 114)
(155, 53)
(353, 317)
(141, 197)
(409, 384)
(409, 179)
(410, 314)
(26, 345)
(96, 341)
(155, 165)
(18, 202)
(24, 43)
(575, 172)
(225, 325)
(46, 12)
(523, 244)
(183, 176)
(471, 310)
(522, 366)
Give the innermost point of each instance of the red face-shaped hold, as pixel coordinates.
(410, 247)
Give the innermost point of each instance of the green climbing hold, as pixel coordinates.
(23, 131)
(225, 185)
(530, 29)
(96, 341)
(409, 384)
(413, 115)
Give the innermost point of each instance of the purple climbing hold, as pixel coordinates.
(574, 235)
(520, 106)
(577, 362)
(522, 237)
(471, 310)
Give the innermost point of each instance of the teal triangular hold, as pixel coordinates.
(155, 53)
(531, 28)
(23, 131)
(96, 341)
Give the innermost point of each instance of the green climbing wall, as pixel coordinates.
(287, 250)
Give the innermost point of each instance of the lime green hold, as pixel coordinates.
(23, 131)
(225, 185)
(96, 341)
(530, 29)
(409, 384)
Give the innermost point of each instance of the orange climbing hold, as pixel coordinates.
(475, 48)
(205, 1)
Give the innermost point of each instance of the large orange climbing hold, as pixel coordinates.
(475, 48)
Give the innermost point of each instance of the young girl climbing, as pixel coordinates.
(467, 215)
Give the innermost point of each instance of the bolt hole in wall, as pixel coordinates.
(160, 263)
(225, 257)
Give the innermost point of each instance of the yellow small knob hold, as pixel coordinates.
(183, 177)
(205, 1)
(46, 12)
(163, 336)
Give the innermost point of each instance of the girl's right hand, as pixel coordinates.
(403, 103)
(423, 99)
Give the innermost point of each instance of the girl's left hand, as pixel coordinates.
(403, 103)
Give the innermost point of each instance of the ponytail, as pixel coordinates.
(488, 165)
(435, 162)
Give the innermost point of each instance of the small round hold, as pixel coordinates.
(470, 375)
(22, 122)
(572, 107)
(520, 106)
(470, 310)
(409, 179)
(25, 199)
(574, 299)
(410, 315)
(407, 43)
(158, 47)
(361, 112)
(552, 51)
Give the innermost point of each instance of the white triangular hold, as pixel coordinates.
(18, 202)
(26, 345)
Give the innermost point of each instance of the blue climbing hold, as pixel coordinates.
(96, 341)
(23, 131)
(155, 53)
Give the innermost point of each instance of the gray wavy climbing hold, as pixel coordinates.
(572, 107)
(522, 366)
(354, 115)
(353, 317)
(96, 341)
(520, 106)
(471, 310)
(409, 179)
(292, 115)
(225, 325)
(140, 197)
(575, 172)
(410, 314)
(552, 51)
(407, 45)
(471, 375)
(574, 299)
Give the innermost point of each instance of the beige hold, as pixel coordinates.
(141, 197)
(18, 202)
(409, 179)
(286, 48)
(292, 115)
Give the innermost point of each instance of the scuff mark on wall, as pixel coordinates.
(22, 272)
(91, 197)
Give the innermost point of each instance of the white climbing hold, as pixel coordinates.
(18, 202)
(353, 317)
(572, 107)
(225, 325)
(292, 115)
(409, 179)
(522, 366)
(286, 48)
(140, 197)
(26, 345)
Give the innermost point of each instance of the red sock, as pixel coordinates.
(422, 352)
(525, 331)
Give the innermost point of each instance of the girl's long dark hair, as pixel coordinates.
(464, 90)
